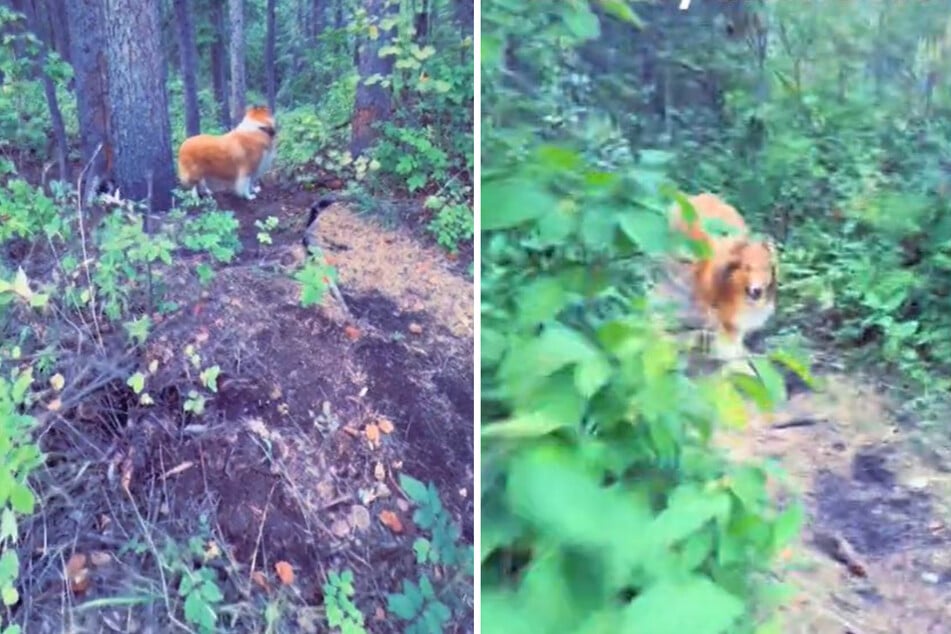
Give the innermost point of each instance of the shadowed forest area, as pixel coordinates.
(216, 413)
(627, 486)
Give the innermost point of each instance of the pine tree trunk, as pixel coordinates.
(373, 102)
(49, 90)
(140, 122)
(269, 56)
(219, 66)
(189, 60)
(236, 20)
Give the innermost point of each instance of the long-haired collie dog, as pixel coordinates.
(734, 283)
(234, 160)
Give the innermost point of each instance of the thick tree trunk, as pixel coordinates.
(269, 56)
(140, 122)
(56, 12)
(219, 65)
(189, 59)
(87, 52)
(373, 102)
(238, 79)
(421, 23)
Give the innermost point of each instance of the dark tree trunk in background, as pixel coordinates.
(49, 90)
(189, 58)
(269, 56)
(140, 123)
(372, 103)
(320, 16)
(421, 22)
(219, 67)
(236, 23)
(56, 15)
(87, 52)
(464, 10)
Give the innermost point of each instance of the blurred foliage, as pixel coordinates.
(606, 506)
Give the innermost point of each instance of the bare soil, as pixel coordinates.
(875, 557)
(288, 462)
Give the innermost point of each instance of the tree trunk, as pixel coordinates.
(373, 102)
(49, 90)
(56, 11)
(269, 56)
(464, 16)
(320, 17)
(238, 79)
(421, 23)
(87, 52)
(189, 58)
(140, 123)
(219, 67)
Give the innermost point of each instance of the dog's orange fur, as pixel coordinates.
(234, 160)
(735, 286)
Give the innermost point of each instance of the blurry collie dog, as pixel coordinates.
(235, 160)
(733, 286)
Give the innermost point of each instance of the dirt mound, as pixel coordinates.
(293, 458)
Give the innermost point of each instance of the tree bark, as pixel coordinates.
(219, 67)
(189, 59)
(89, 60)
(238, 79)
(56, 12)
(372, 103)
(269, 56)
(140, 122)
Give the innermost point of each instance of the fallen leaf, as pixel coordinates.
(258, 578)
(57, 381)
(340, 528)
(77, 574)
(397, 464)
(373, 435)
(402, 504)
(55, 405)
(352, 332)
(276, 393)
(359, 517)
(127, 472)
(212, 551)
(392, 521)
(415, 328)
(379, 615)
(202, 335)
(379, 471)
(285, 572)
(385, 426)
(100, 558)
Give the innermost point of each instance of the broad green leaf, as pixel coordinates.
(788, 524)
(695, 605)
(646, 229)
(415, 489)
(509, 203)
(401, 606)
(688, 509)
(580, 20)
(136, 382)
(622, 10)
(541, 300)
(772, 380)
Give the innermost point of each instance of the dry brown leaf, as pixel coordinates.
(397, 464)
(55, 405)
(57, 381)
(352, 332)
(212, 551)
(379, 615)
(359, 517)
(127, 472)
(340, 528)
(285, 572)
(379, 471)
(392, 521)
(385, 426)
(416, 329)
(77, 574)
(373, 434)
(258, 578)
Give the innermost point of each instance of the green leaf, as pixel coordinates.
(580, 20)
(415, 489)
(787, 525)
(421, 548)
(401, 606)
(772, 380)
(10, 595)
(647, 229)
(136, 382)
(8, 525)
(621, 10)
(695, 605)
(592, 374)
(688, 509)
(509, 203)
(541, 300)
(22, 499)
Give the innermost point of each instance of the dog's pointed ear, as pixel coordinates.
(724, 272)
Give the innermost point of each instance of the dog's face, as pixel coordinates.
(750, 269)
(261, 117)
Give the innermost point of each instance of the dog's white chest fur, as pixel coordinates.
(753, 318)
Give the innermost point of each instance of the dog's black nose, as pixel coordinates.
(755, 292)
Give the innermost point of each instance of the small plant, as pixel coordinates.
(342, 615)
(213, 231)
(452, 224)
(419, 607)
(265, 227)
(314, 278)
(199, 582)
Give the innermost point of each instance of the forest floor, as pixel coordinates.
(296, 458)
(875, 554)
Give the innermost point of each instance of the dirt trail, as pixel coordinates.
(867, 487)
(288, 461)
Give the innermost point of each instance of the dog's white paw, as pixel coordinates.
(250, 197)
(256, 189)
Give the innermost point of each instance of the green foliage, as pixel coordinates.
(314, 278)
(426, 609)
(605, 504)
(342, 615)
(452, 223)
